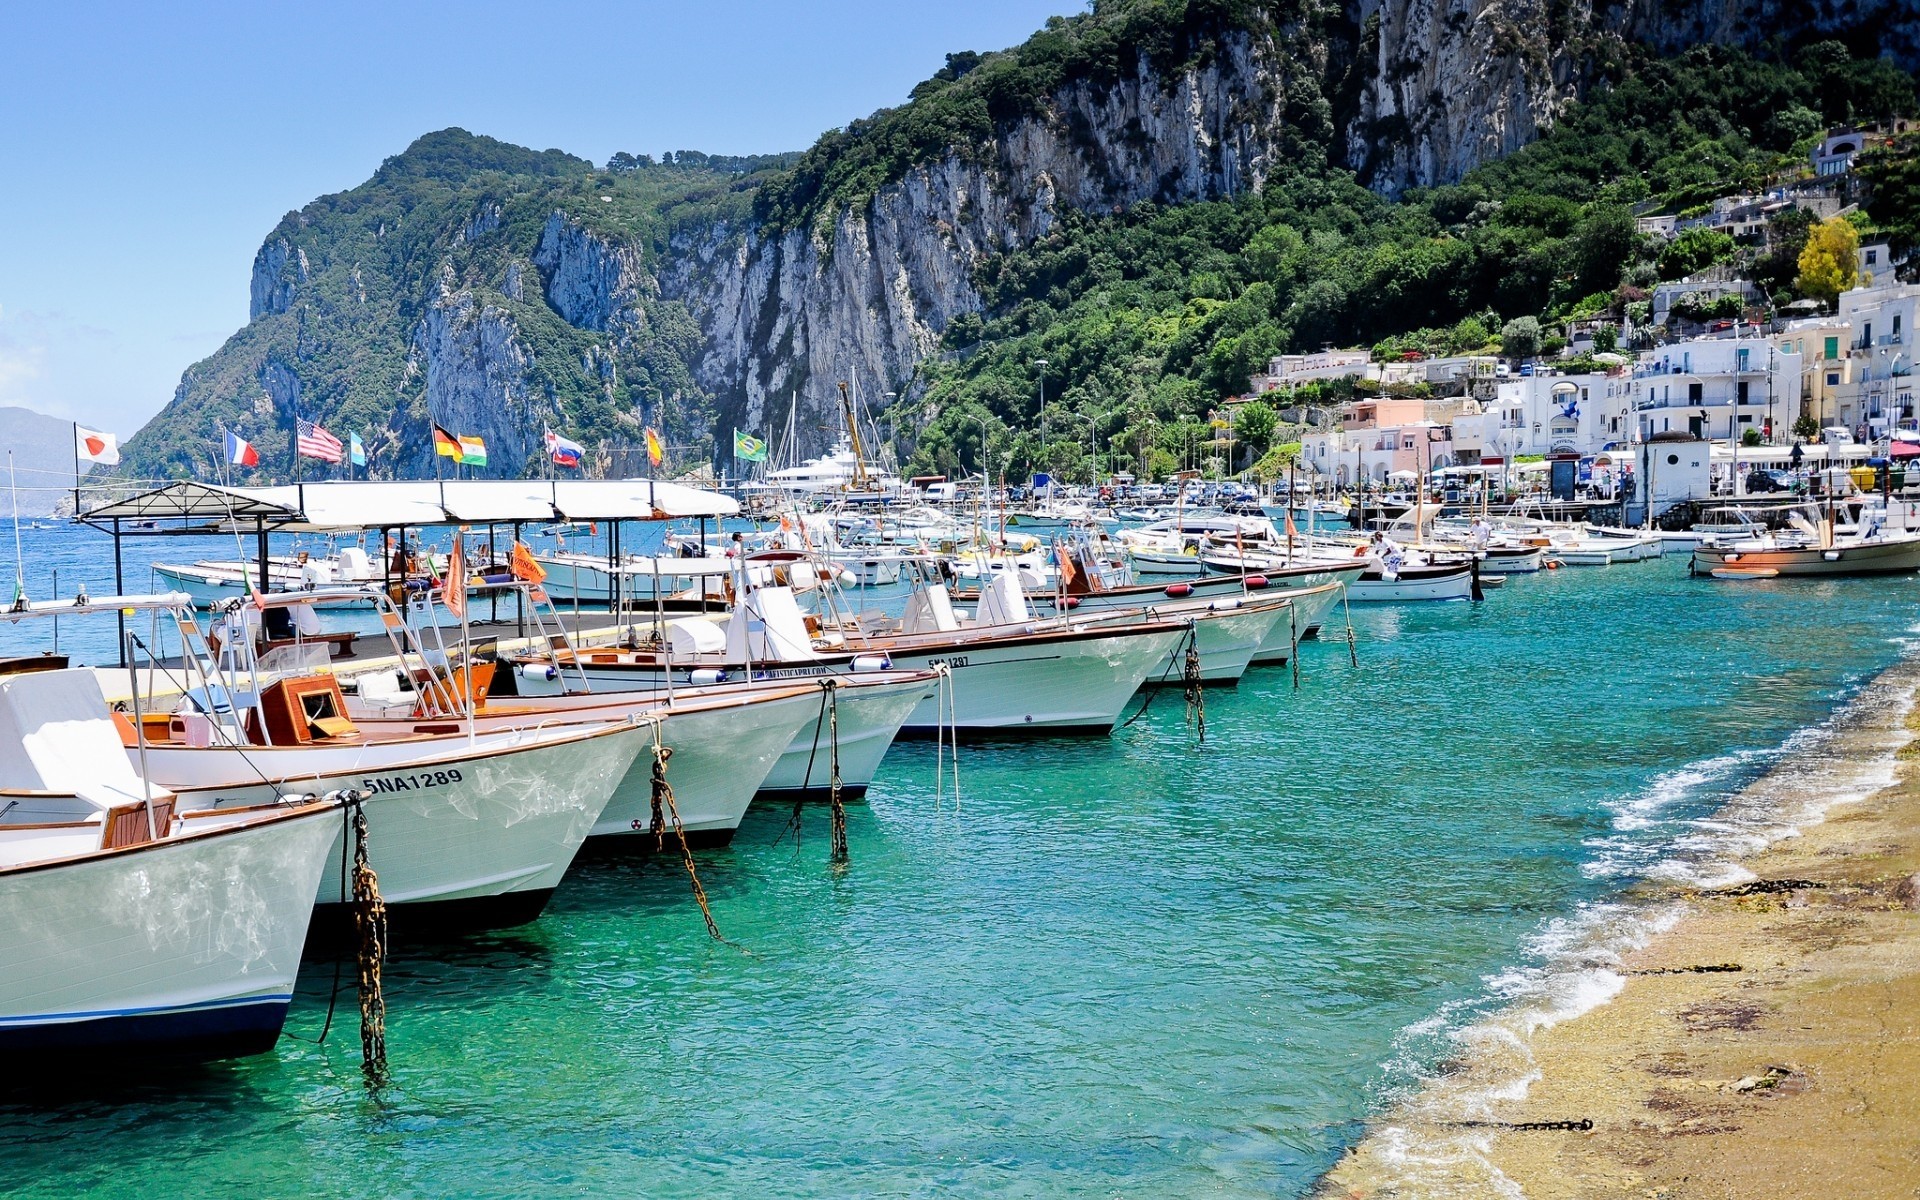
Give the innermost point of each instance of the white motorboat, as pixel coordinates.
(1041, 676)
(708, 732)
(214, 583)
(127, 927)
(467, 828)
(1447, 581)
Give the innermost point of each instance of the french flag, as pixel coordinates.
(240, 451)
(564, 453)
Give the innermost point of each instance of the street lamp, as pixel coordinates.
(1093, 444)
(1040, 385)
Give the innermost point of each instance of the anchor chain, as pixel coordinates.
(663, 796)
(1196, 691)
(838, 855)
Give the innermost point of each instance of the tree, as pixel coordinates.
(1520, 337)
(1695, 249)
(1253, 424)
(1605, 338)
(1806, 426)
(1830, 263)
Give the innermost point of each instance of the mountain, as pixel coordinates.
(42, 449)
(497, 290)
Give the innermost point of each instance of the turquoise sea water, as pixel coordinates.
(1131, 967)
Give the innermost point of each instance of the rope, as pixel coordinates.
(946, 736)
(800, 797)
(1293, 622)
(1153, 692)
(370, 922)
(1353, 650)
(663, 793)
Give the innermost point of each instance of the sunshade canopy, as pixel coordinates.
(342, 505)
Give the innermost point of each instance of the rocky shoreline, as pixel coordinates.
(1762, 1038)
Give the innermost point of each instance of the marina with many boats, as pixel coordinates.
(483, 710)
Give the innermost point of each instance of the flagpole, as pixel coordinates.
(76, 470)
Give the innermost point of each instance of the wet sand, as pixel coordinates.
(1764, 1039)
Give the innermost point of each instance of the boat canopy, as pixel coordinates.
(342, 505)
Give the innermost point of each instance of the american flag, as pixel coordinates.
(315, 442)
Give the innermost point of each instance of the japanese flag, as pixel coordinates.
(90, 445)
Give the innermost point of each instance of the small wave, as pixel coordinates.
(1482, 1046)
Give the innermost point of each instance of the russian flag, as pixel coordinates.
(564, 453)
(240, 452)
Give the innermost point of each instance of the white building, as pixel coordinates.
(1879, 389)
(1287, 370)
(1549, 414)
(1717, 388)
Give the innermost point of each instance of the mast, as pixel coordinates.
(853, 436)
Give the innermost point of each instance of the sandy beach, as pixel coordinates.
(1762, 1038)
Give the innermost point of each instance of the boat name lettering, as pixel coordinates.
(408, 783)
(958, 660)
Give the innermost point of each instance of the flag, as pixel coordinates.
(748, 448)
(655, 451)
(524, 566)
(91, 445)
(564, 453)
(445, 444)
(521, 562)
(240, 451)
(356, 451)
(473, 451)
(311, 441)
(453, 590)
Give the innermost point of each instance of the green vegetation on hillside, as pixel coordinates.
(466, 211)
(962, 106)
(1149, 319)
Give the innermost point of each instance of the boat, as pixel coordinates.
(1445, 581)
(1811, 549)
(132, 930)
(468, 829)
(1041, 676)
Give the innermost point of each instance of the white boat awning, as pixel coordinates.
(636, 500)
(343, 505)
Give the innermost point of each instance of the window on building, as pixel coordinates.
(1833, 348)
(1866, 334)
(1742, 355)
(1741, 388)
(1693, 393)
(1873, 256)
(1833, 379)
(1896, 327)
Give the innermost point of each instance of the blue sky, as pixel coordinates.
(146, 149)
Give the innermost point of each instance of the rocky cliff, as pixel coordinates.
(866, 295)
(1450, 84)
(496, 290)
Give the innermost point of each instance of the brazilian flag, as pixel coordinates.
(748, 448)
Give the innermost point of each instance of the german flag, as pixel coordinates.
(447, 445)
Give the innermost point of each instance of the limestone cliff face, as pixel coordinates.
(592, 281)
(788, 314)
(278, 271)
(1451, 84)
(475, 366)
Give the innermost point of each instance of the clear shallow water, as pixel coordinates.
(1121, 968)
